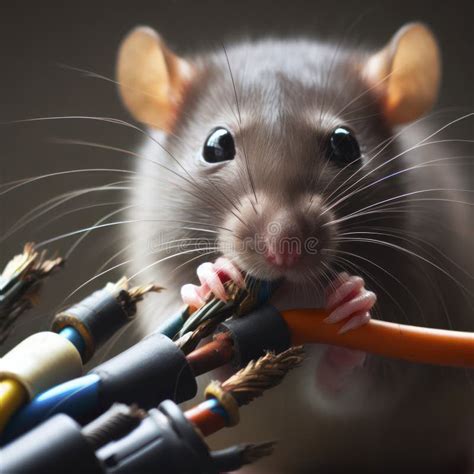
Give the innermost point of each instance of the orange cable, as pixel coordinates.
(412, 343)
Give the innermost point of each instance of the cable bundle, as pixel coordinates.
(20, 283)
(162, 369)
(49, 358)
(163, 440)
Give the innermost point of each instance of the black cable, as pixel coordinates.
(115, 423)
(233, 458)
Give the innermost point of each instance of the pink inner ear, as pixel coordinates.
(152, 79)
(406, 73)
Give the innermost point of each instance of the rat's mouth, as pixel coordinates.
(296, 267)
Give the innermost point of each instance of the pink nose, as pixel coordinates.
(283, 255)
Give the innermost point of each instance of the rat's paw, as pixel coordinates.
(347, 298)
(212, 277)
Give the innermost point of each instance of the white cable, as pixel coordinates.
(41, 361)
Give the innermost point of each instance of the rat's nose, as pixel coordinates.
(283, 243)
(283, 257)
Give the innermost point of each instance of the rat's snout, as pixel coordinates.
(282, 255)
(272, 238)
(283, 239)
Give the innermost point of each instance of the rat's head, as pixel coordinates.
(270, 137)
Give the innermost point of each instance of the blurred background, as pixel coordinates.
(42, 42)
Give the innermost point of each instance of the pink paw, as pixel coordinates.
(346, 299)
(212, 277)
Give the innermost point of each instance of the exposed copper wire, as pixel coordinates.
(20, 283)
(241, 388)
(115, 423)
(262, 374)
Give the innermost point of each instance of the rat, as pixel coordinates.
(316, 164)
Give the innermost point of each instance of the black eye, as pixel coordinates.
(343, 147)
(219, 146)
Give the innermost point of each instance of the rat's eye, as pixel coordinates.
(343, 147)
(219, 146)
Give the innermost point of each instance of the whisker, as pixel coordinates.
(209, 251)
(55, 202)
(252, 185)
(363, 271)
(400, 196)
(96, 224)
(24, 181)
(114, 121)
(198, 195)
(420, 143)
(346, 196)
(77, 209)
(121, 264)
(409, 252)
(391, 275)
(401, 235)
(131, 221)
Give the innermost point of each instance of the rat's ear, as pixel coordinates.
(406, 73)
(151, 78)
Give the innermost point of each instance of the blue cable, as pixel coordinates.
(77, 398)
(73, 335)
(172, 325)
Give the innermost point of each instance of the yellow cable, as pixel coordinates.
(12, 396)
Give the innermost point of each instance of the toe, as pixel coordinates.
(364, 301)
(191, 296)
(348, 288)
(208, 275)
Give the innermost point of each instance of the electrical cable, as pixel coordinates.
(20, 283)
(125, 439)
(47, 359)
(151, 371)
(12, 396)
(224, 399)
(412, 343)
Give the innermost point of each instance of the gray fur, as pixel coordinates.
(290, 96)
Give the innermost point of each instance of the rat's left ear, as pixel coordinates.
(406, 73)
(152, 80)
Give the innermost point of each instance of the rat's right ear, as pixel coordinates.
(152, 79)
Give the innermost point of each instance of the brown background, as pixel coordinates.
(36, 38)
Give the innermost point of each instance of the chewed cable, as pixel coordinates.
(20, 282)
(49, 358)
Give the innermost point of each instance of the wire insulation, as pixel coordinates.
(12, 396)
(40, 361)
(412, 343)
